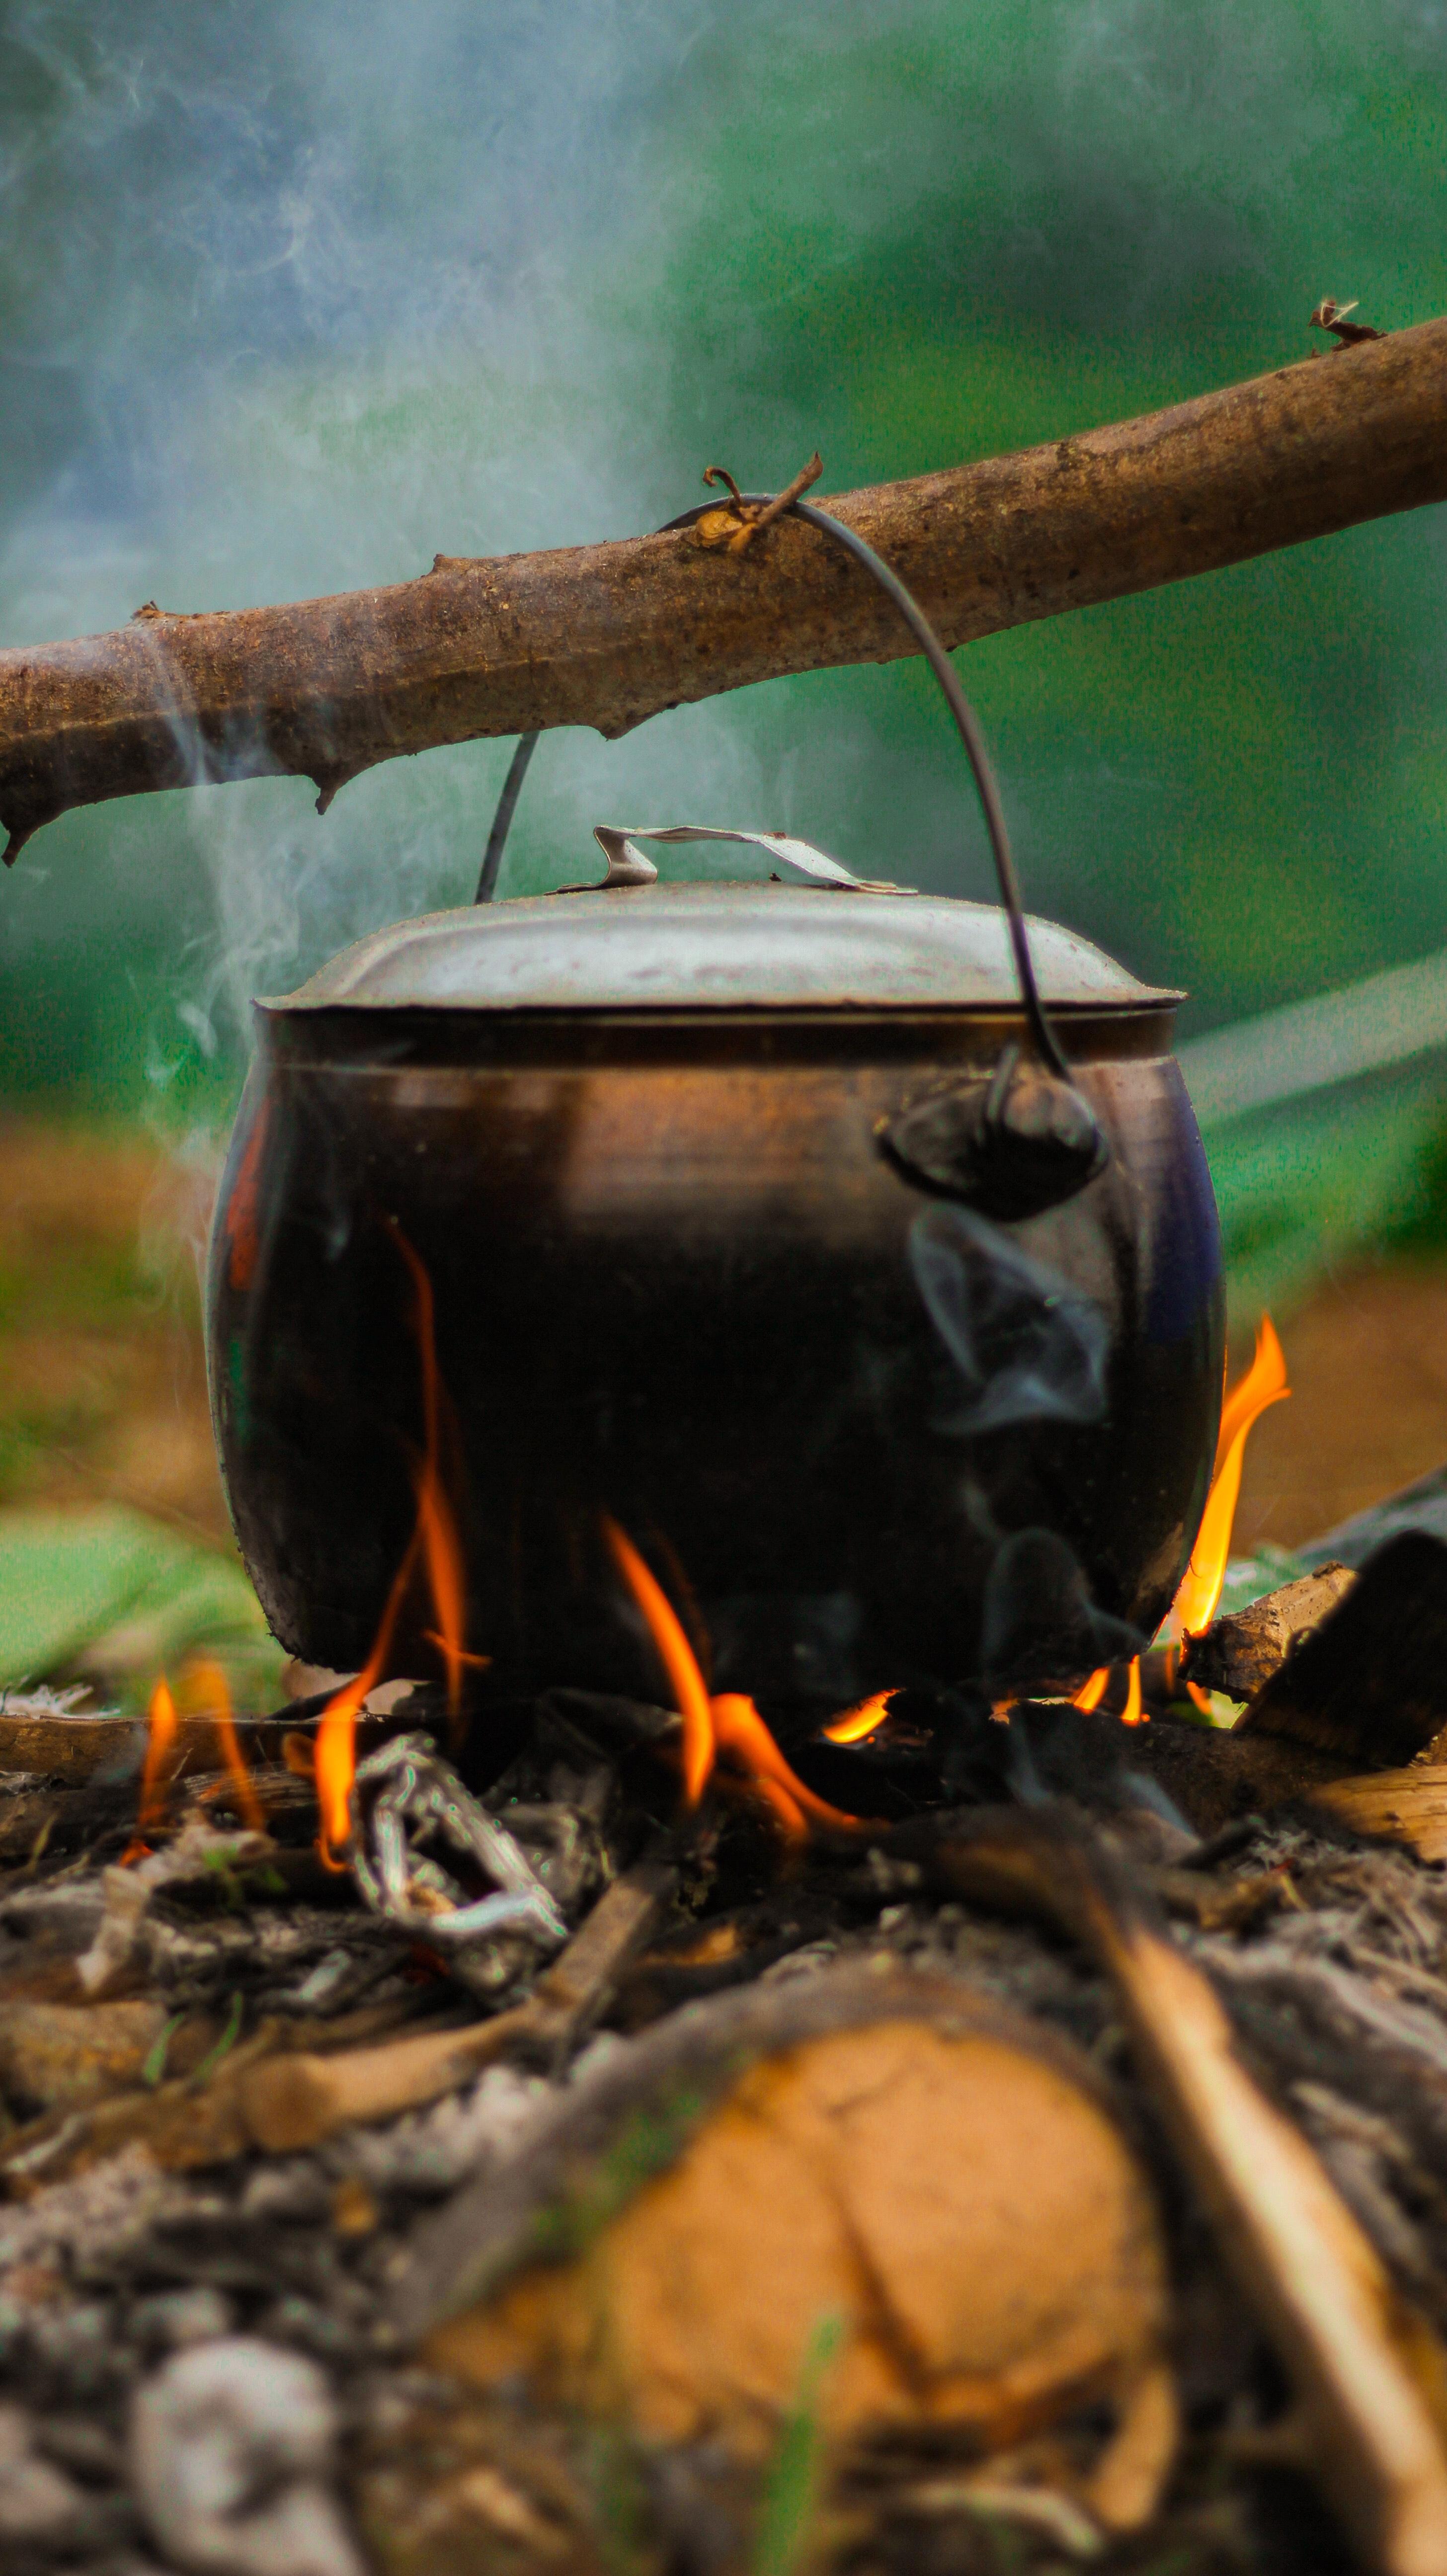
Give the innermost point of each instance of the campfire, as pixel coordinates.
(969, 2117)
(785, 1994)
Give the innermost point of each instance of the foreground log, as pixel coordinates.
(1407, 1807)
(1369, 2376)
(607, 635)
(886, 2184)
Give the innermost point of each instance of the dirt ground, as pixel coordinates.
(102, 1382)
(102, 1385)
(1367, 1356)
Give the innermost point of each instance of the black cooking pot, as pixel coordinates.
(854, 1253)
(701, 1178)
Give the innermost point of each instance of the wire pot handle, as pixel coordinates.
(760, 508)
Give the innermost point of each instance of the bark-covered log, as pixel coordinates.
(606, 635)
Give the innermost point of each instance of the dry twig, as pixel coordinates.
(296, 2101)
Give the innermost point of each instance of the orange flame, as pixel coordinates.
(740, 1731)
(336, 1754)
(1264, 1383)
(442, 1556)
(856, 1723)
(161, 1729)
(1092, 1692)
(436, 1543)
(677, 1656)
(206, 1695)
(730, 1724)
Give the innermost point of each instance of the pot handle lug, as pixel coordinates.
(1011, 1143)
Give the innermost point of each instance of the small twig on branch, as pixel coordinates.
(755, 515)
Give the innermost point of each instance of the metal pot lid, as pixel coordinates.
(716, 947)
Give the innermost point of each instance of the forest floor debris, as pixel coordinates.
(264, 2125)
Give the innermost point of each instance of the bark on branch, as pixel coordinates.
(606, 635)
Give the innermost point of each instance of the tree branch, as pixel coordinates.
(606, 635)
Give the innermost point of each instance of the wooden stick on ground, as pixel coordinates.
(292, 2102)
(607, 635)
(1369, 2376)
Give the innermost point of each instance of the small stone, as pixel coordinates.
(293, 2192)
(231, 2447)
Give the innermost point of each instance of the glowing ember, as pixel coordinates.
(729, 1725)
(857, 1723)
(207, 1695)
(1264, 1383)
(156, 1772)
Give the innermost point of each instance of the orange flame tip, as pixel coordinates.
(1091, 1693)
(856, 1723)
(677, 1657)
(1264, 1383)
(1133, 1714)
(161, 1730)
(207, 1694)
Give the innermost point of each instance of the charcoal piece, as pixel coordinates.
(1239, 1655)
(603, 1720)
(1213, 1777)
(1369, 1684)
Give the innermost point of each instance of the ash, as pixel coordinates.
(199, 2364)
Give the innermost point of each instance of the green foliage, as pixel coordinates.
(791, 2487)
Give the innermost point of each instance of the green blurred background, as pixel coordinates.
(293, 296)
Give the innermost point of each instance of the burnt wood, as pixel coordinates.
(1370, 1684)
